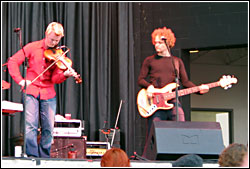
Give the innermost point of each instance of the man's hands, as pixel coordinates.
(70, 72)
(22, 83)
(67, 73)
(150, 91)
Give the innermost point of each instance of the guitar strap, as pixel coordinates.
(177, 66)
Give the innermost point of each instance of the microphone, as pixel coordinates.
(17, 30)
(163, 38)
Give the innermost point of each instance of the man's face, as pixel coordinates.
(160, 45)
(51, 39)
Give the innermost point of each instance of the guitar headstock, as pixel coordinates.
(227, 81)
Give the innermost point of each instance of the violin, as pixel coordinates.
(61, 61)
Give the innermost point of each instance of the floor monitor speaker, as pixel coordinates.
(168, 140)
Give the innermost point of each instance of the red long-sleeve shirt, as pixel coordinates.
(37, 63)
(161, 72)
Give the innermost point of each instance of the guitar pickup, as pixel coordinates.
(157, 99)
(149, 101)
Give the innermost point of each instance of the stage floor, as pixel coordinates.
(12, 162)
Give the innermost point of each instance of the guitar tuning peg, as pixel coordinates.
(229, 86)
(226, 87)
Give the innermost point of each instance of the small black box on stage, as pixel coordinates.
(107, 135)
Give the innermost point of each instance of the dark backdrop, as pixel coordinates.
(100, 36)
(108, 43)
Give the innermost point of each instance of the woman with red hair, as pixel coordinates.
(161, 69)
(115, 157)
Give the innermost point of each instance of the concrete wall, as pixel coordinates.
(235, 98)
(195, 24)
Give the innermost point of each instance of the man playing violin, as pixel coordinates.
(41, 95)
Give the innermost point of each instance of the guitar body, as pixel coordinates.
(148, 106)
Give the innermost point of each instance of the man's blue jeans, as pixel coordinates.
(42, 111)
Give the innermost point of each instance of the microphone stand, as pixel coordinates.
(25, 94)
(176, 81)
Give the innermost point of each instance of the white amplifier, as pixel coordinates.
(68, 128)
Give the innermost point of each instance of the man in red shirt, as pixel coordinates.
(41, 95)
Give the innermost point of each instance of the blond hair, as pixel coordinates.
(55, 27)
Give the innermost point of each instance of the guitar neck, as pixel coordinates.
(191, 90)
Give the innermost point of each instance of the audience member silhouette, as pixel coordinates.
(189, 160)
(233, 155)
(115, 157)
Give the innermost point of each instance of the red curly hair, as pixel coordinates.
(115, 157)
(167, 33)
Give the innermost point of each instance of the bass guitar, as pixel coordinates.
(159, 100)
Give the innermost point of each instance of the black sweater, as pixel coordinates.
(160, 71)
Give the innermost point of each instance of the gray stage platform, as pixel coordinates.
(12, 162)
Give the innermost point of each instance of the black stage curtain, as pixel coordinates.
(100, 38)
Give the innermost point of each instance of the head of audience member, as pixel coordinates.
(115, 157)
(233, 155)
(245, 161)
(189, 160)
